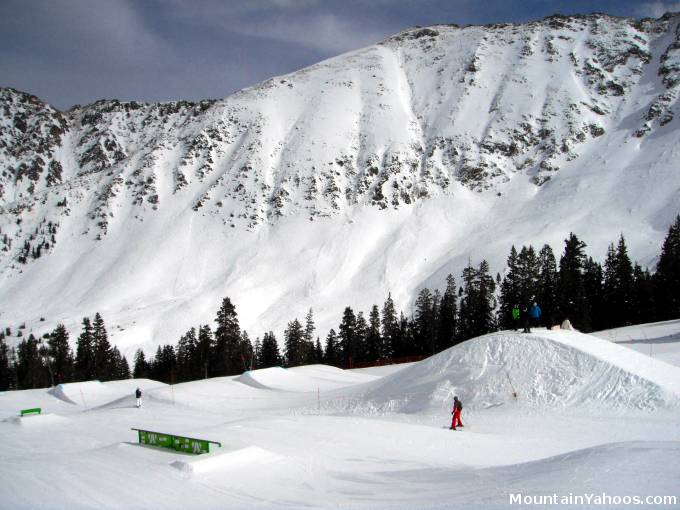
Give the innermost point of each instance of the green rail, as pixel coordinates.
(174, 442)
(35, 410)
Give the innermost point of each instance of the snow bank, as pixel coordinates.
(96, 393)
(237, 459)
(277, 378)
(544, 369)
(36, 420)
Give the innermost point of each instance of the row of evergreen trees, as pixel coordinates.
(48, 361)
(590, 295)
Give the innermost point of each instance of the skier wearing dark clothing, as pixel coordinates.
(457, 409)
(526, 319)
(515, 317)
(138, 395)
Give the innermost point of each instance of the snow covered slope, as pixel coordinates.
(377, 171)
(578, 428)
(560, 369)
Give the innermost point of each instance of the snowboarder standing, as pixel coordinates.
(535, 314)
(138, 395)
(525, 319)
(457, 409)
(515, 317)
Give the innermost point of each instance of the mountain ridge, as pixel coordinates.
(481, 128)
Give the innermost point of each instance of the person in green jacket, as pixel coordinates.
(515, 317)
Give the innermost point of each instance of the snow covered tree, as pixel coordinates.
(61, 357)
(269, 353)
(85, 353)
(667, 276)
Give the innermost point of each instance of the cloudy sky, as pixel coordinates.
(78, 51)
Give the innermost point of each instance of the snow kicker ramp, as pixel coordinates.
(542, 369)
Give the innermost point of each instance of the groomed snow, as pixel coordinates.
(590, 417)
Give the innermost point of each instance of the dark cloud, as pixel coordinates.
(77, 51)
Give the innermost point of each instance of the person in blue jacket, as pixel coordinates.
(534, 314)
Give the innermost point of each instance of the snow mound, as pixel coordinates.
(543, 369)
(326, 377)
(36, 420)
(277, 378)
(236, 459)
(96, 393)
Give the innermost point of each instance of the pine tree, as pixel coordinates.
(361, 334)
(592, 285)
(5, 365)
(642, 304)
(468, 303)
(60, 355)
(104, 364)
(188, 367)
(373, 337)
(424, 324)
(31, 372)
(269, 354)
(308, 348)
(390, 330)
(510, 291)
(318, 351)
(573, 302)
(348, 337)
(547, 286)
(121, 369)
(529, 276)
(667, 276)
(141, 368)
(85, 353)
(204, 350)
(332, 354)
(257, 353)
(246, 351)
(227, 351)
(486, 300)
(618, 287)
(447, 318)
(294, 343)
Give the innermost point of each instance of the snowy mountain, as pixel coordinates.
(377, 171)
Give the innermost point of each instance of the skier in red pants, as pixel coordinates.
(457, 408)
